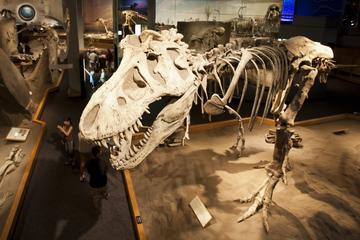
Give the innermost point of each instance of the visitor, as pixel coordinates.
(84, 149)
(97, 171)
(109, 60)
(102, 60)
(93, 60)
(91, 77)
(66, 132)
(102, 76)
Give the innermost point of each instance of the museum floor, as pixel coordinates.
(58, 206)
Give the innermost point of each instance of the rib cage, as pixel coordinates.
(270, 64)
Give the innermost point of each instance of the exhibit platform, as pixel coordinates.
(15, 182)
(320, 201)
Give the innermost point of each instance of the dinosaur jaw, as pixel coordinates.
(125, 153)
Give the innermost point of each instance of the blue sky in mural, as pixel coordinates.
(171, 11)
(141, 5)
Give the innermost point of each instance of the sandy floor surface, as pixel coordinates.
(321, 200)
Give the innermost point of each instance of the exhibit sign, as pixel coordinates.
(200, 211)
(18, 134)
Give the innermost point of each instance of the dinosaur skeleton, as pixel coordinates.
(129, 16)
(109, 33)
(160, 64)
(12, 161)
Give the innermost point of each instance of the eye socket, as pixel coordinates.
(133, 85)
(138, 79)
(151, 56)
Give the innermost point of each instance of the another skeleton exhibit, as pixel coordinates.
(130, 20)
(12, 161)
(29, 62)
(160, 64)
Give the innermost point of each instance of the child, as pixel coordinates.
(66, 131)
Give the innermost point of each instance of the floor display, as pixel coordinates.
(320, 200)
(113, 114)
(11, 162)
(14, 162)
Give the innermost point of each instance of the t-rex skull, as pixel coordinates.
(153, 65)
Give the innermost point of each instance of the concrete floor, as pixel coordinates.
(57, 205)
(321, 200)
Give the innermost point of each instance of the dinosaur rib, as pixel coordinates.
(243, 91)
(253, 113)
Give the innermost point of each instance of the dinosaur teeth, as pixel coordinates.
(116, 140)
(122, 135)
(131, 130)
(142, 142)
(138, 122)
(135, 149)
(147, 110)
(127, 155)
(103, 142)
(147, 134)
(135, 128)
(131, 152)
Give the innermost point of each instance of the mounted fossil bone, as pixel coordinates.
(15, 99)
(160, 64)
(154, 65)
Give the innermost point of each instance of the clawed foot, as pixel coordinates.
(237, 149)
(261, 199)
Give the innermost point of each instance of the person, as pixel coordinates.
(93, 60)
(91, 77)
(84, 149)
(109, 60)
(66, 131)
(97, 171)
(102, 76)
